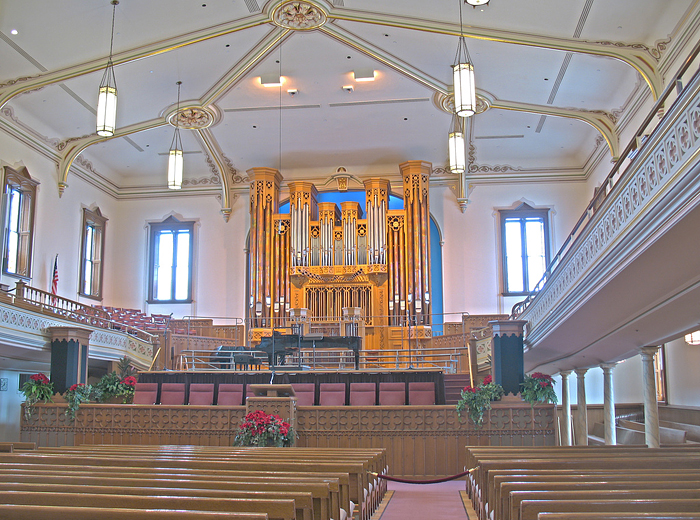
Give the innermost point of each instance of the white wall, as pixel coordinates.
(682, 379)
(471, 258)
(10, 400)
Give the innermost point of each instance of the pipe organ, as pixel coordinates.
(326, 258)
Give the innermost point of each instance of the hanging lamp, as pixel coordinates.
(107, 97)
(463, 76)
(175, 157)
(455, 145)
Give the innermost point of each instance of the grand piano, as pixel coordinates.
(282, 345)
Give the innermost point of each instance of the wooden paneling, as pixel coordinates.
(420, 440)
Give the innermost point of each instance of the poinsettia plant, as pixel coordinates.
(38, 388)
(74, 396)
(477, 400)
(538, 388)
(263, 429)
(111, 385)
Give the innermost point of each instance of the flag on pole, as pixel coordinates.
(54, 280)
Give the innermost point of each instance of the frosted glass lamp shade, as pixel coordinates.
(106, 111)
(464, 89)
(175, 167)
(457, 153)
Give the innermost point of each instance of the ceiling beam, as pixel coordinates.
(14, 87)
(642, 61)
(212, 147)
(598, 119)
(70, 148)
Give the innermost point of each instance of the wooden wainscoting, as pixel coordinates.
(420, 440)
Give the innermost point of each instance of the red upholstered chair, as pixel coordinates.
(363, 394)
(146, 393)
(331, 394)
(172, 393)
(230, 394)
(392, 394)
(305, 392)
(201, 394)
(422, 394)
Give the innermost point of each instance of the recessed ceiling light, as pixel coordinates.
(364, 74)
(271, 80)
(348, 88)
(477, 2)
(14, 32)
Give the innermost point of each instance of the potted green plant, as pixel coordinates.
(38, 388)
(263, 429)
(477, 400)
(538, 388)
(112, 388)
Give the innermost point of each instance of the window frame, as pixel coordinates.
(97, 221)
(522, 212)
(155, 229)
(21, 181)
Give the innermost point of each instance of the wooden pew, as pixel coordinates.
(531, 508)
(618, 516)
(303, 504)
(24, 512)
(536, 500)
(493, 461)
(502, 499)
(323, 488)
(276, 509)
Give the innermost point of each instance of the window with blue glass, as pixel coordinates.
(524, 248)
(170, 279)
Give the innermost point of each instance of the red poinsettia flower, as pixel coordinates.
(488, 380)
(40, 378)
(130, 380)
(75, 387)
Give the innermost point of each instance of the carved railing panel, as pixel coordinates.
(420, 441)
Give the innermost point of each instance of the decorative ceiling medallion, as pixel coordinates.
(192, 118)
(446, 103)
(299, 16)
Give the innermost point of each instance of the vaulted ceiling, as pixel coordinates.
(556, 81)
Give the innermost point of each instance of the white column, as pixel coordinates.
(651, 405)
(581, 419)
(566, 408)
(609, 404)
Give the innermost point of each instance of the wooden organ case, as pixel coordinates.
(352, 270)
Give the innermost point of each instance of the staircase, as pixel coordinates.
(454, 383)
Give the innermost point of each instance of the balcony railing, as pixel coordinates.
(635, 152)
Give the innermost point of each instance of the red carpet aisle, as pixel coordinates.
(424, 502)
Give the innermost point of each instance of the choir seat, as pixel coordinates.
(146, 393)
(421, 394)
(305, 393)
(392, 394)
(201, 394)
(331, 394)
(230, 394)
(172, 393)
(363, 394)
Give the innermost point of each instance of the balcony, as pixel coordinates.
(629, 274)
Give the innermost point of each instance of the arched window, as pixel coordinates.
(524, 248)
(19, 199)
(91, 254)
(171, 247)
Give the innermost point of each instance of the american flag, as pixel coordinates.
(54, 280)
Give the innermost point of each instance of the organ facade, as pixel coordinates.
(338, 266)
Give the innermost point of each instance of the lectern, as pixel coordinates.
(274, 399)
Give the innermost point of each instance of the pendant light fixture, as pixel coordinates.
(175, 158)
(107, 97)
(463, 76)
(455, 147)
